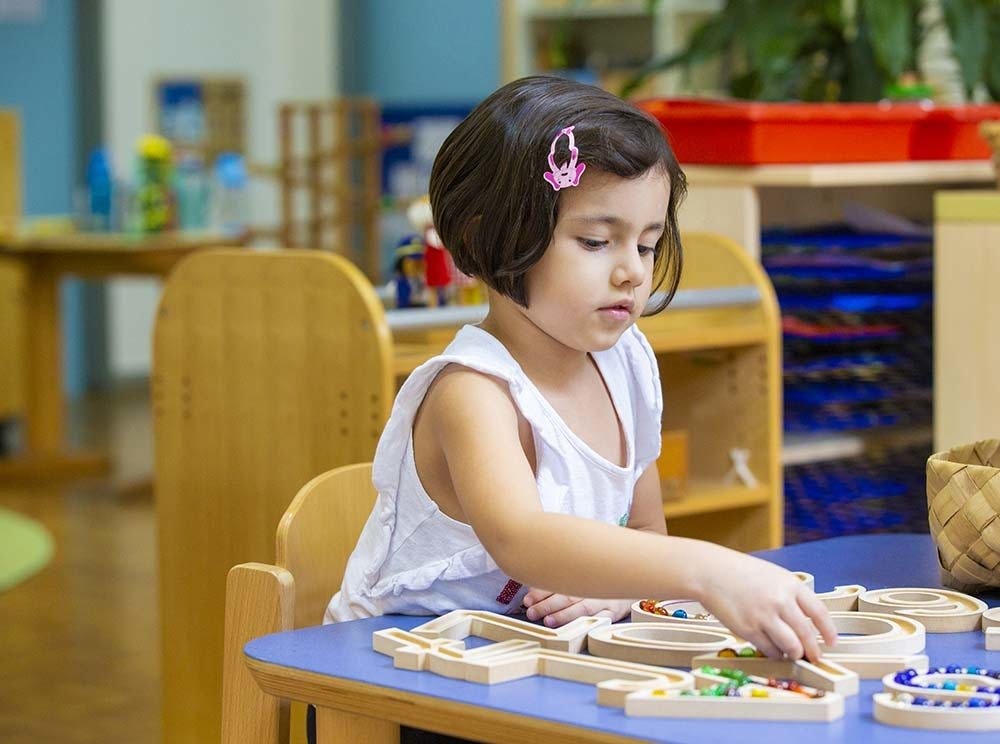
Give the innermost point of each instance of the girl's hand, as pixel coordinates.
(555, 610)
(769, 607)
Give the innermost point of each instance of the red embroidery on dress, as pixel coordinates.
(510, 590)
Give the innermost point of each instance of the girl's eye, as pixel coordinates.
(645, 250)
(591, 244)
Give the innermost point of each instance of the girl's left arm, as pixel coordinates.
(646, 515)
(647, 503)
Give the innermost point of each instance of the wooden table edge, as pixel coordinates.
(439, 714)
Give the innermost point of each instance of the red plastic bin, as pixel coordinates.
(754, 133)
(952, 133)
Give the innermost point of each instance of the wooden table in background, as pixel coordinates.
(47, 260)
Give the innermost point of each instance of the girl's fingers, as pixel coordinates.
(762, 643)
(571, 613)
(785, 639)
(552, 604)
(804, 631)
(816, 611)
(534, 596)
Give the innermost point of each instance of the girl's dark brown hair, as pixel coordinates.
(492, 208)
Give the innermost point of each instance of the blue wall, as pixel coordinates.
(36, 76)
(412, 51)
(37, 58)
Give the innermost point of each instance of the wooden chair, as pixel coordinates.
(268, 368)
(314, 540)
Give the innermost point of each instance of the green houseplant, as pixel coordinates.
(833, 50)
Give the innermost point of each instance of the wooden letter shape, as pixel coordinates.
(874, 633)
(889, 684)
(658, 643)
(517, 659)
(460, 624)
(780, 705)
(940, 610)
(825, 674)
(890, 711)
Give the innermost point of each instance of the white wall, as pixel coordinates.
(282, 49)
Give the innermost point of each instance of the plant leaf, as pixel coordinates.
(863, 80)
(708, 40)
(890, 22)
(992, 72)
(967, 22)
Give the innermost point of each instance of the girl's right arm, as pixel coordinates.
(475, 424)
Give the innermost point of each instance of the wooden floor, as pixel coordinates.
(79, 641)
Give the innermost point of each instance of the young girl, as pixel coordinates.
(517, 470)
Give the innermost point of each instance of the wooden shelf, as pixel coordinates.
(842, 174)
(699, 338)
(799, 449)
(704, 497)
(561, 11)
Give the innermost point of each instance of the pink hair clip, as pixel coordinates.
(562, 177)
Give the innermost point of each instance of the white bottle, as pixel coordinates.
(230, 196)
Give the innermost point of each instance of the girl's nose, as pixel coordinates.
(629, 268)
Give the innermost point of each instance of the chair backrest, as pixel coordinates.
(268, 367)
(314, 540)
(318, 532)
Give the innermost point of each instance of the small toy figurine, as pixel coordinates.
(408, 279)
(153, 177)
(438, 267)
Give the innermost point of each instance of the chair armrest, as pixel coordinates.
(260, 599)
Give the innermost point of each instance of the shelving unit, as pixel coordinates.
(718, 348)
(608, 38)
(741, 202)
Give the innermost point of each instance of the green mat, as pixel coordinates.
(25, 548)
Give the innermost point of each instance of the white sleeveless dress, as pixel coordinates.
(412, 559)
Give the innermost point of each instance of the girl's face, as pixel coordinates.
(594, 279)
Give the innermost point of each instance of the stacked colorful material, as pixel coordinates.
(857, 325)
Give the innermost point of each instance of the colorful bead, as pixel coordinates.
(680, 613)
(737, 675)
(758, 693)
(907, 699)
(727, 653)
(747, 652)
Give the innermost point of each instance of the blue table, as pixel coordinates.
(334, 666)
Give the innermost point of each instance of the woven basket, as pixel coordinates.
(963, 504)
